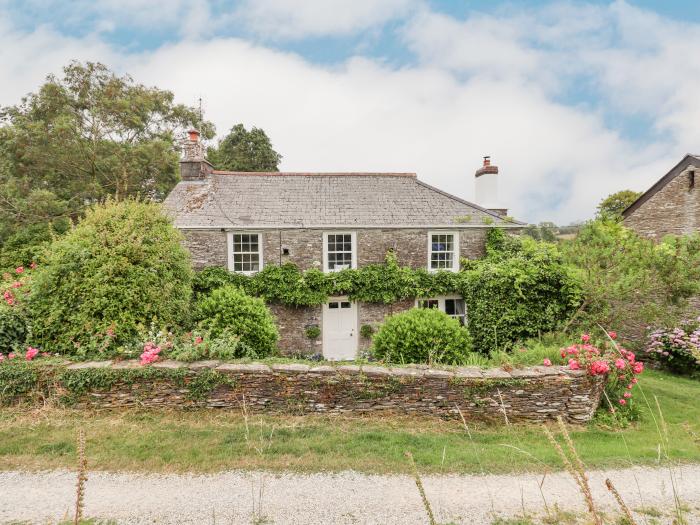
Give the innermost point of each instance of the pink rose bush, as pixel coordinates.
(30, 354)
(607, 359)
(150, 353)
(15, 287)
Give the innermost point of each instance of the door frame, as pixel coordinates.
(356, 323)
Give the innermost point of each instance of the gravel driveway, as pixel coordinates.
(345, 498)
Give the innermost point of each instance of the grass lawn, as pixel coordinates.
(206, 441)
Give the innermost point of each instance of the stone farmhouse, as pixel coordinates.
(331, 221)
(671, 206)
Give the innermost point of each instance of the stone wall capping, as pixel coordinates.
(251, 368)
(290, 367)
(496, 373)
(525, 372)
(323, 369)
(548, 370)
(376, 371)
(407, 371)
(198, 365)
(574, 373)
(128, 363)
(349, 369)
(469, 372)
(90, 364)
(434, 372)
(170, 364)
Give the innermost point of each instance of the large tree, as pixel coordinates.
(612, 206)
(83, 137)
(243, 150)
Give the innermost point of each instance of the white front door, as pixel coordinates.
(339, 329)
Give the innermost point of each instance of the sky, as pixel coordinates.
(572, 100)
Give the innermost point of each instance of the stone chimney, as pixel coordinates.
(486, 185)
(193, 164)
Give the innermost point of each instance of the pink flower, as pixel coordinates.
(630, 356)
(574, 365)
(630, 386)
(546, 362)
(626, 395)
(613, 335)
(19, 269)
(2, 358)
(622, 402)
(10, 355)
(33, 266)
(150, 353)
(634, 380)
(16, 284)
(585, 338)
(638, 368)
(31, 353)
(198, 340)
(620, 363)
(563, 353)
(599, 368)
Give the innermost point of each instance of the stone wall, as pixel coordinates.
(674, 209)
(532, 395)
(304, 247)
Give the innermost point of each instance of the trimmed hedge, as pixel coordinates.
(230, 309)
(421, 335)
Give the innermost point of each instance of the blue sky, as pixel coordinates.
(574, 100)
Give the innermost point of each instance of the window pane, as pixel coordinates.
(332, 305)
(450, 306)
(345, 305)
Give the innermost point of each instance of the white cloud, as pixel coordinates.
(290, 19)
(490, 85)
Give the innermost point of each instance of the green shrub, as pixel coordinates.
(521, 289)
(367, 331)
(313, 332)
(196, 346)
(630, 282)
(421, 335)
(122, 266)
(13, 329)
(230, 308)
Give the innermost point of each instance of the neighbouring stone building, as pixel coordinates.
(331, 221)
(671, 206)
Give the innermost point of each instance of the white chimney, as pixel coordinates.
(486, 185)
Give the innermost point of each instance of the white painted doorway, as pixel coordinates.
(339, 329)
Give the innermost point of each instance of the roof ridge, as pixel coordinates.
(466, 202)
(316, 174)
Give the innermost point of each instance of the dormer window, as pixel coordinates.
(443, 251)
(245, 252)
(339, 252)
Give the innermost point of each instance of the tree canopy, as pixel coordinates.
(612, 206)
(243, 150)
(85, 136)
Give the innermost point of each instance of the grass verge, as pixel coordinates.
(209, 441)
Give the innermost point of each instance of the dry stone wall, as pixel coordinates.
(534, 394)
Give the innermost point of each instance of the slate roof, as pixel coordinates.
(679, 168)
(313, 200)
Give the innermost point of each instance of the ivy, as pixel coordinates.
(202, 384)
(17, 380)
(520, 289)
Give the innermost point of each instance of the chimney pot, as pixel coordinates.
(193, 134)
(487, 160)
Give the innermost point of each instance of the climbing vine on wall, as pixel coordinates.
(519, 289)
